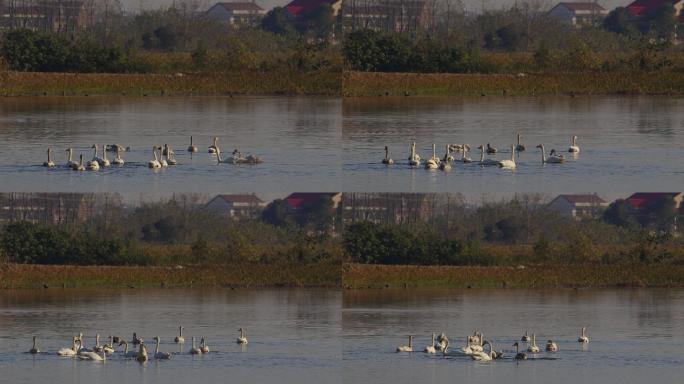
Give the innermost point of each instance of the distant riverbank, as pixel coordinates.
(446, 84)
(180, 84)
(16, 276)
(361, 276)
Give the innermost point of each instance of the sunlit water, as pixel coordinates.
(324, 144)
(293, 335)
(635, 335)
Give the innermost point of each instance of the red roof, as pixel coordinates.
(582, 199)
(297, 7)
(301, 199)
(582, 6)
(642, 199)
(239, 6)
(642, 7)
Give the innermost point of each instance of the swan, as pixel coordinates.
(442, 342)
(126, 352)
(508, 164)
(191, 147)
(433, 162)
(551, 346)
(533, 348)
(414, 158)
(49, 163)
(484, 356)
(167, 151)
(101, 161)
(70, 162)
(583, 338)
(447, 156)
(104, 162)
(92, 356)
(467, 350)
(459, 147)
(519, 147)
(486, 162)
(162, 161)
(118, 160)
(169, 155)
(154, 163)
(142, 353)
(465, 157)
(431, 348)
(109, 348)
(519, 355)
(214, 147)
(242, 339)
(553, 157)
(406, 348)
(93, 165)
(491, 150)
(69, 352)
(446, 164)
(97, 347)
(203, 346)
(194, 350)
(115, 147)
(180, 339)
(160, 355)
(136, 340)
(387, 160)
(34, 349)
(525, 337)
(574, 148)
(79, 166)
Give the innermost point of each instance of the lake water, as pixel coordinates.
(635, 335)
(293, 335)
(324, 144)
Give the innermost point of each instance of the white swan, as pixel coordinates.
(446, 164)
(525, 337)
(442, 342)
(533, 348)
(104, 162)
(126, 352)
(553, 157)
(154, 163)
(118, 160)
(34, 349)
(467, 349)
(406, 348)
(465, 157)
(551, 346)
(109, 348)
(214, 147)
(97, 158)
(70, 162)
(92, 356)
(508, 164)
(242, 339)
(69, 352)
(194, 350)
(191, 147)
(430, 349)
(574, 148)
(49, 163)
(80, 166)
(203, 346)
(414, 158)
(142, 353)
(169, 155)
(520, 147)
(97, 347)
(94, 164)
(447, 156)
(583, 338)
(160, 355)
(519, 355)
(433, 162)
(387, 160)
(483, 161)
(482, 355)
(180, 339)
(162, 161)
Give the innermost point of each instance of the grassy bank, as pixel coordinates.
(14, 276)
(357, 276)
(204, 84)
(585, 83)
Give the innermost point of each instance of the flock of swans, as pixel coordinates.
(480, 349)
(99, 352)
(165, 157)
(445, 163)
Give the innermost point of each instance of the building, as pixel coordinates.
(640, 8)
(297, 8)
(579, 14)
(236, 14)
(644, 200)
(301, 200)
(387, 15)
(64, 16)
(236, 206)
(55, 208)
(579, 206)
(400, 208)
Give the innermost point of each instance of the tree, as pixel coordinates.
(662, 22)
(275, 213)
(319, 21)
(26, 50)
(618, 214)
(509, 38)
(618, 21)
(277, 21)
(542, 56)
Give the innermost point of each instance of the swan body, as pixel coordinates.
(508, 164)
(214, 147)
(414, 158)
(179, 339)
(574, 148)
(97, 347)
(430, 349)
(118, 160)
(192, 148)
(485, 356)
(154, 163)
(553, 158)
(142, 353)
(387, 160)
(115, 148)
(491, 150)
(583, 338)
(242, 339)
(104, 162)
(70, 162)
(433, 162)
(160, 355)
(519, 355)
(109, 348)
(442, 342)
(93, 165)
(551, 346)
(169, 155)
(99, 160)
(203, 346)
(80, 166)
(533, 348)
(162, 161)
(49, 163)
(92, 356)
(406, 348)
(194, 350)
(465, 157)
(69, 352)
(525, 337)
(34, 350)
(519, 147)
(126, 352)
(486, 162)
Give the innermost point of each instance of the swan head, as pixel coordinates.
(540, 146)
(516, 344)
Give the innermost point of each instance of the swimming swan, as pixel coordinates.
(553, 157)
(126, 352)
(433, 162)
(70, 162)
(214, 147)
(533, 348)
(446, 164)
(525, 337)
(583, 338)
(203, 346)
(242, 339)
(519, 355)
(80, 166)
(160, 355)
(491, 150)
(69, 352)
(508, 164)
(551, 346)
(142, 353)
(574, 148)
(486, 162)
(194, 350)
(49, 163)
(170, 160)
(430, 349)
(180, 339)
(154, 163)
(387, 160)
(34, 349)
(118, 160)
(520, 147)
(191, 147)
(406, 348)
(414, 158)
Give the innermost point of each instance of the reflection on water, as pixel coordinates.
(635, 335)
(293, 334)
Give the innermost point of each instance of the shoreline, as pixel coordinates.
(370, 276)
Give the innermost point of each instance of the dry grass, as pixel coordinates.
(588, 83)
(238, 275)
(555, 276)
